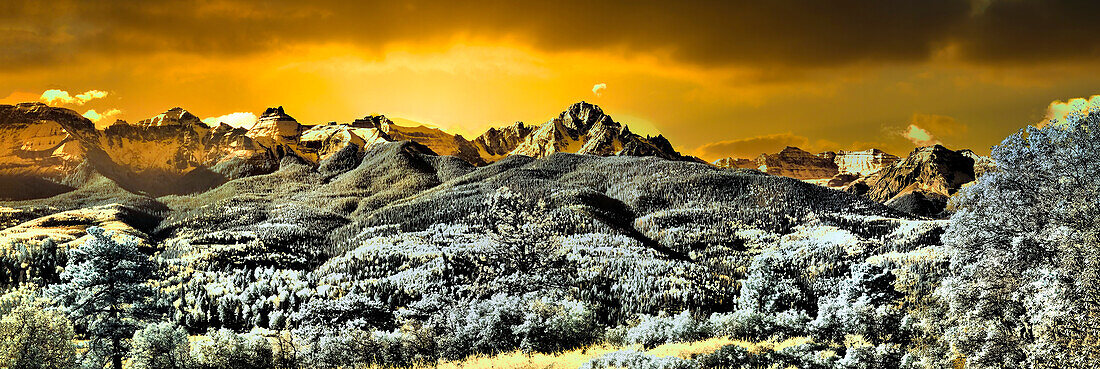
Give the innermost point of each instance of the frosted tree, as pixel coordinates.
(1024, 285)
(105, 290)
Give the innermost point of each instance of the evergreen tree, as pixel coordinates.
(105, 291)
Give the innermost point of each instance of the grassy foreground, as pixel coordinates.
(575, 358)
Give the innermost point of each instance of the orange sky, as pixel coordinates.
(716, 78)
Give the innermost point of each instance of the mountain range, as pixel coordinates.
(47, 151)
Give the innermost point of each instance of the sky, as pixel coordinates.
(717, 78)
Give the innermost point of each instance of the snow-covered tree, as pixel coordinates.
(106, 291)
(35, 336)
(1024, 286)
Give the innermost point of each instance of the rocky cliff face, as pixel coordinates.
(34, 141)
(982, 164)
(860, 162)
(797, 163)
(932, 173)
(276, 131)
(38, 154)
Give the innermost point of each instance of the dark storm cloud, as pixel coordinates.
(781, 33)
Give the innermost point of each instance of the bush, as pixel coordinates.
(637, 360)
(656, 330)
(225, 349)
(555, 326)
(32, 336)
(160, 346)
(345, 348)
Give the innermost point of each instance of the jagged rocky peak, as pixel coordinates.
(496, 143)
(274, 127)
(372, 121)
(584, 128)
(797, 163)
(176, 116)
(583, 115)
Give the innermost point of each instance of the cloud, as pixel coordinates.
(59, 97)
(751, 147)
(96, 117)
(799, 33)
(926, 129)
(919, 136)
(239, 120)
(51, 96)
(1060, 111)
(598, 88)
(941, 124)
(89, 95)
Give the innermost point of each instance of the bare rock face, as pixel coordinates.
(861, 162)
(177, 143)
(320, 142)
(797, 163)
(34, 141)
(583, 128)
(735, 163)
(275, 130)
(440, 142)
(930, 170)
(496, 143)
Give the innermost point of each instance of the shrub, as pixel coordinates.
(32, 336)
(656, 330)
(160, 346)
(225, 349)
(637, 360)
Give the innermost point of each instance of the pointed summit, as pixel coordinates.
(176, 116)
(275, 127)
(583, 115)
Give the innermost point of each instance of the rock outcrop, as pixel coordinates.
(982, 164)
(927, 171)
(439, 141)
(277, 131)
